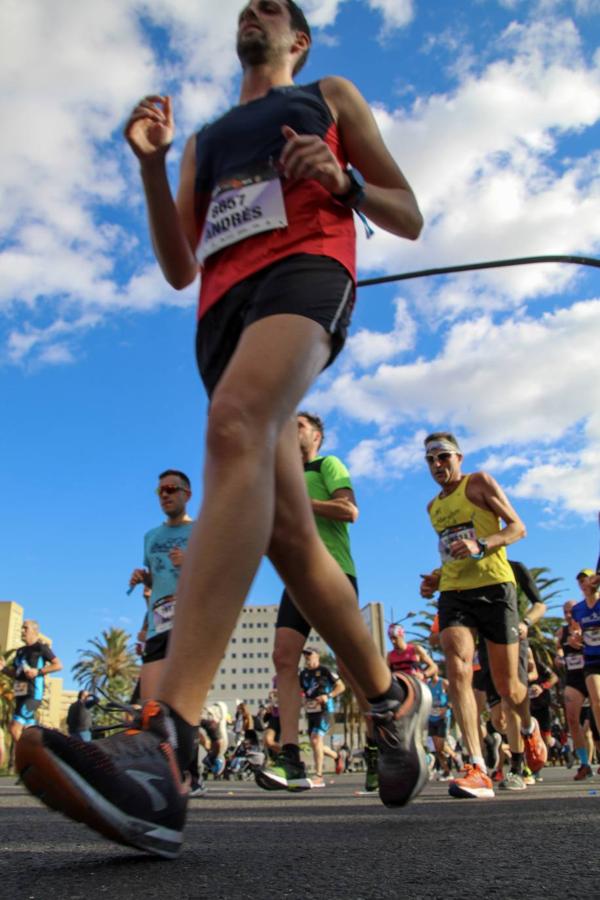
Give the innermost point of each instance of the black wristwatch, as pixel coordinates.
(355, 194)
(482, 544)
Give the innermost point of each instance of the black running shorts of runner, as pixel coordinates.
(316, 287)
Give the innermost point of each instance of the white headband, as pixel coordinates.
(443, 445)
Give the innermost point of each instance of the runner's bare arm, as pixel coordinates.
(389, 201)
(431, 667)
(342, 506)
(484, 491)
(54, 665)
(149, 132)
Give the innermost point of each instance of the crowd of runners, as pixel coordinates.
(265, 207)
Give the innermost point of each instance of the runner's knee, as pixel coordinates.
(286, 655)
(236, 428)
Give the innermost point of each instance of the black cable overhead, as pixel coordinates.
(493, 264)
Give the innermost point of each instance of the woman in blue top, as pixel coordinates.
(587, 615)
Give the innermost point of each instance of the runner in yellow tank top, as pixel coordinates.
(477, 596)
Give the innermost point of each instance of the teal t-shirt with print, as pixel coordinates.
(158, 543)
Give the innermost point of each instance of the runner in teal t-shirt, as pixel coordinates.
(164, 547)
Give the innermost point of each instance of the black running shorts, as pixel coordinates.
(437, 727)
(484, 680)
(316, 287)
(156, 647)
(289, 617)
(491, 610)
(576, 679)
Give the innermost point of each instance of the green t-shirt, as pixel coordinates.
(325, 475)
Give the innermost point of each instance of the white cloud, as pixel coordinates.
(517, 384)
(49, 345)
(496, 463)
(366, 348)
(396, 13)
(486, 165)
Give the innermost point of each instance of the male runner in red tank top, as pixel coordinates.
(261, 343)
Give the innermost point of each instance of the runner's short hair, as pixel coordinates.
(442, 436)
(315, 421)
(299, 23)
(179, 474)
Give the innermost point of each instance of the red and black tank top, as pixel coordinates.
(250, 135)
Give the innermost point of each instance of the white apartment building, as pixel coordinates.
(246, 671)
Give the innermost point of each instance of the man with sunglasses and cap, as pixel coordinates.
(477, 595)
(164, 547)
(320, 686)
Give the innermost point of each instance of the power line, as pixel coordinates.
(493, 264)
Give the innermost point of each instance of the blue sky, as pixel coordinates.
(491, 109)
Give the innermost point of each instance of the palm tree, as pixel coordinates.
(542, 635)
(110, 665)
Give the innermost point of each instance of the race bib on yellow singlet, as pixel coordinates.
(21, 688)
(162, 613)
(463, 532)
(240, 207)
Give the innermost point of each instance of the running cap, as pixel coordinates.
(308, 650)
(443, 445)
(395, 631)
(585, 573)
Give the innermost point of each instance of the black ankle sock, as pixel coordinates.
(187, 740)
(516, 763)
(292, 751)
(396, 691)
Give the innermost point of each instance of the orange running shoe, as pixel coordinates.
(474, 784)
(536, 752)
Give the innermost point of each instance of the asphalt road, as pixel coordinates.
(329, 844)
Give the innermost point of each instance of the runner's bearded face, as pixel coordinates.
(264, 32)
(306, 438)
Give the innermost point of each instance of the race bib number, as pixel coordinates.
(574, 661)
(313, 706)
(438, 712)
(21, 688)
(591, 637)
(464, 532)
(241, 207)
(162, 614)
